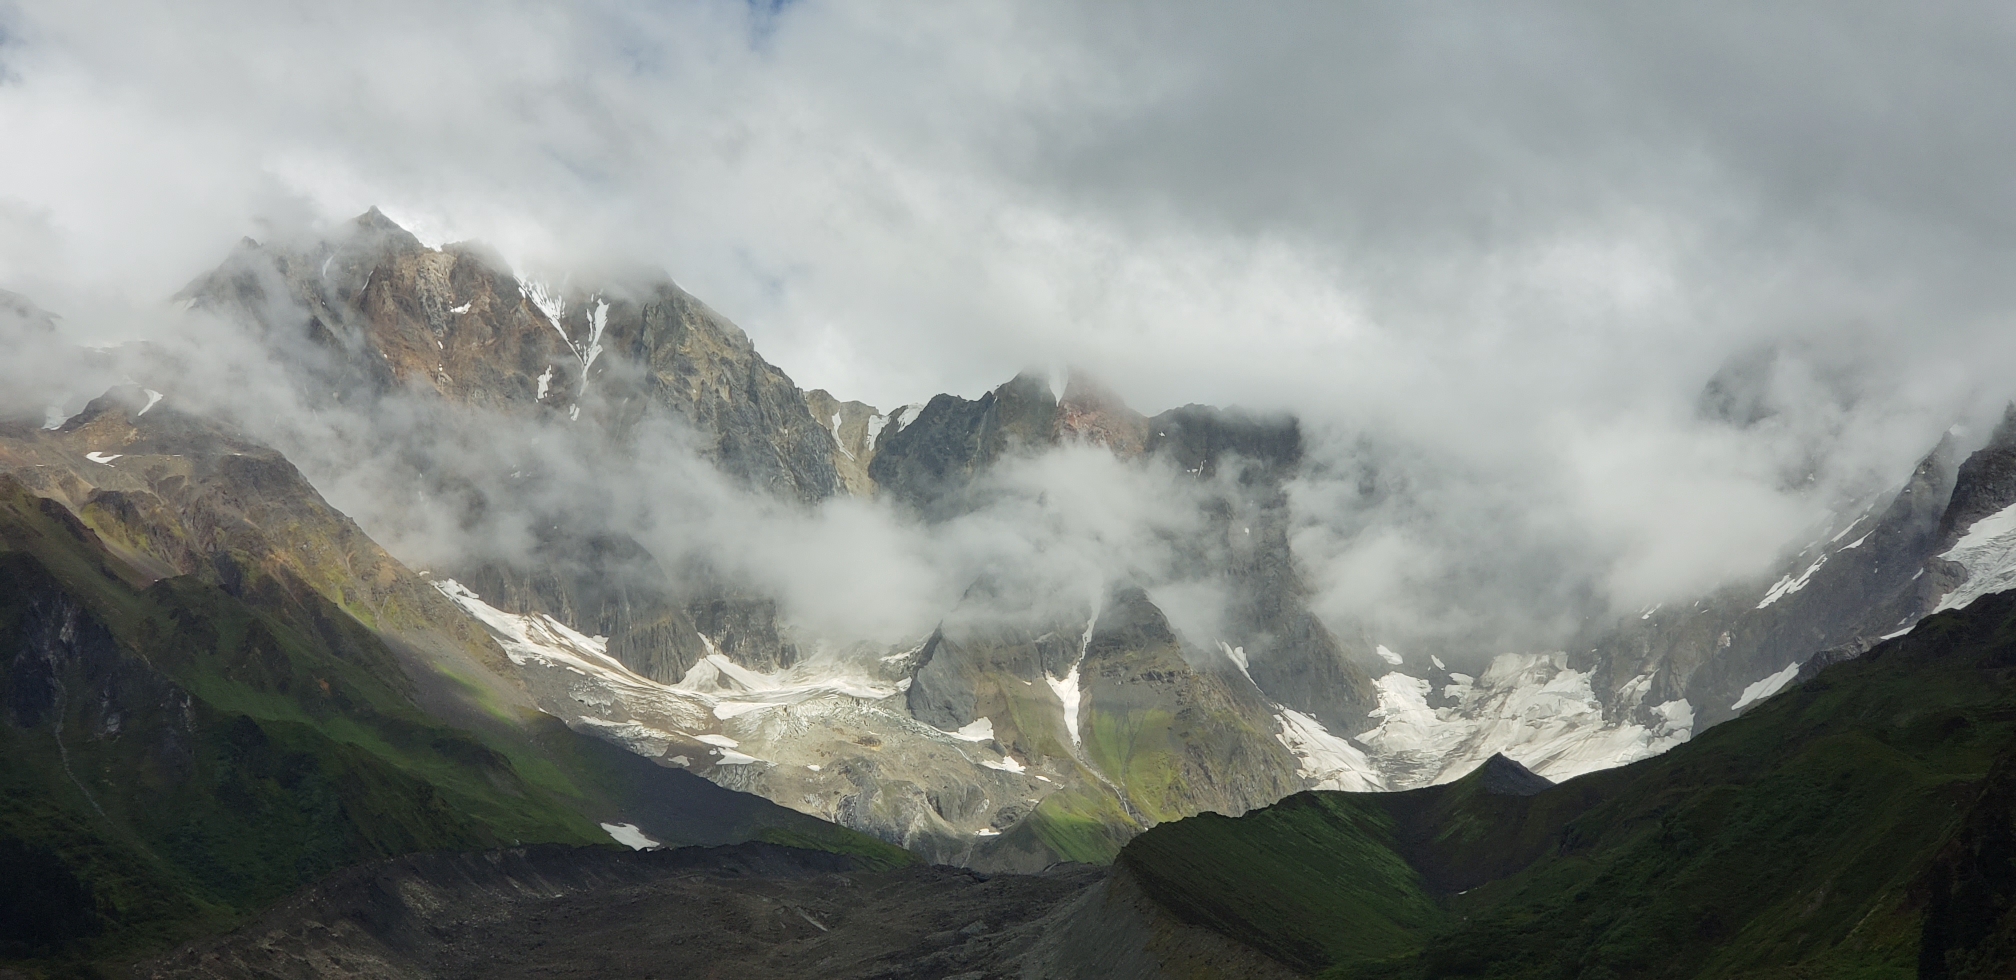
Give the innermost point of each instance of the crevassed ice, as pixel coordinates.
(1531, 707)
(1329, 762)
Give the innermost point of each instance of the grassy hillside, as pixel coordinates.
(1846, 828)
(174, 756)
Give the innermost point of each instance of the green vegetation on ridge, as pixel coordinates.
(174, 756)
(1805, 839)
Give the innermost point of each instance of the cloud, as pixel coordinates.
(1495, 248)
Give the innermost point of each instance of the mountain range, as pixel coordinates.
(223, 688)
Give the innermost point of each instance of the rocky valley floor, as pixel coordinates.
(734, 913)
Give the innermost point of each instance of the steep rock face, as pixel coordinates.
(1091, 413)
(1985, 484)
(855, 427)
(1287, 651)
(374, 310)
(1174, 739)
(969, 671)
(1865, 580)
(373, 317)
(930, 463)
(1198, 438)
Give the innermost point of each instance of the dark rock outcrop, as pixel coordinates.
(932, 462)
(1501, 776)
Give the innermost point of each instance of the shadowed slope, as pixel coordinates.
(1818, 835)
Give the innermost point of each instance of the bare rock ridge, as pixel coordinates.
(374, 310)
(1985, 483)
(1878, 572)
(375, 318)
(991, 742)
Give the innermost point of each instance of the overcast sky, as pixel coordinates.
(1518, 235)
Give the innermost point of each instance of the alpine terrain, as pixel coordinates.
(372, 639)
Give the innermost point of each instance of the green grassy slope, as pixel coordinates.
(1279, 878)
(174, 756)
(1807, 839)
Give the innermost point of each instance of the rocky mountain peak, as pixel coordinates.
(372, 313)
(1091, 413)
(1986, 482)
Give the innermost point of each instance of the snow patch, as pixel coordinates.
(1766, 687)
(1532, 707)
(1788, 585)
(153, 399)
(545, 382)
(837, 444)
(1328, 762)
(904, 416)
(1389, 656)
(598, 318)
(1007, 764)
(98, 457)
(979, 731)
(459, 310)
(1238, 657)
(875, 424)
(1067, 687)
(629, 836)
(1988, 552)
(549, 301)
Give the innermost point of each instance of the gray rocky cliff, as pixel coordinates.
(931, 463)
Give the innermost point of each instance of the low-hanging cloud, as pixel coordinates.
(1489, 252)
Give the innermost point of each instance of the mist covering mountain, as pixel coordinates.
(1120, 491)
(1001, 631)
